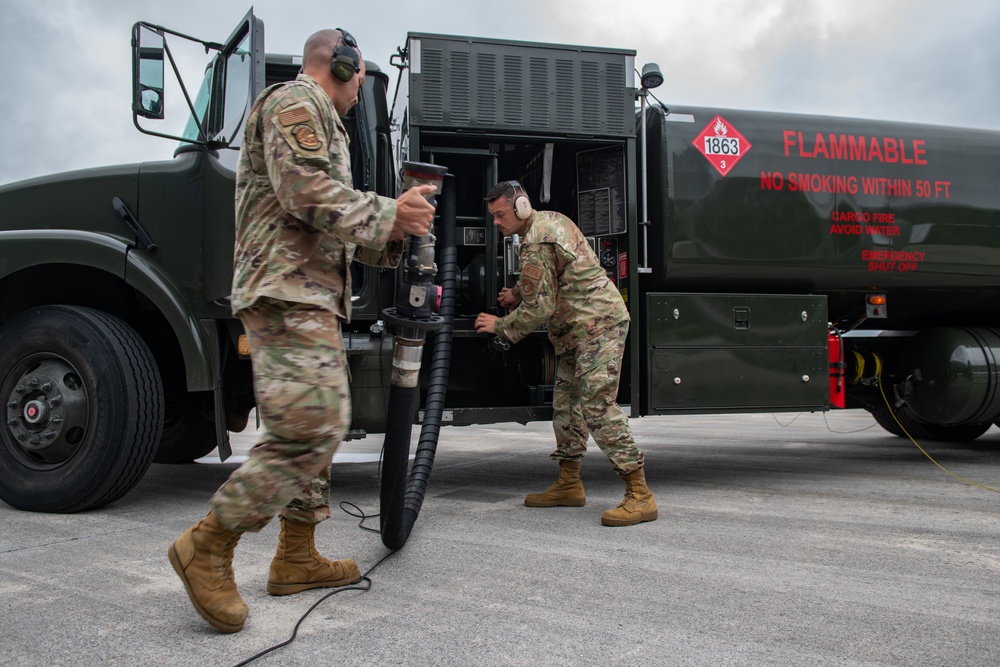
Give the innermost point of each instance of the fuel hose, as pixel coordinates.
(402, 491)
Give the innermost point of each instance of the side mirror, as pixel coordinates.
(147, 73)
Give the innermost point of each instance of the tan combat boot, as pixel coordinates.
(567, 491)
(203, 559)
(297, 566)
(638, 505)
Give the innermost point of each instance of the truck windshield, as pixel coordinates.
(191, 131)
(222, 119)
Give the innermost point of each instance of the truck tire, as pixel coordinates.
(884, 419)
(83, 409)
(186, 436)
(921, 430)
(955, 433)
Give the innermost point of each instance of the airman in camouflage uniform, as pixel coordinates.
(563, 286)
(299, 224)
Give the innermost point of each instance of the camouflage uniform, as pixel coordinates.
(563, 285)
(299, 223)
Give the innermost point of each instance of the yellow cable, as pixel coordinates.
(893, 413)
(859, 367)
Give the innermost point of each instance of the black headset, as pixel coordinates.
(522, 205)
(346, 61)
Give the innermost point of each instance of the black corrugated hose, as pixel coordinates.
(398, 517)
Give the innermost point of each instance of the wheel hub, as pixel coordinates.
(36, 412)
(46, 412)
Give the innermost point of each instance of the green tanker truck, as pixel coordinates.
(770, 262)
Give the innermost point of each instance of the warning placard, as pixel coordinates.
(721, 144)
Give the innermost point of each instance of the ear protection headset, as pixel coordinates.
(522, 205)
(346, 61)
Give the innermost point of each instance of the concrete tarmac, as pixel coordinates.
(783, 539)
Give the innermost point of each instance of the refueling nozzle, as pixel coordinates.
(417, 296)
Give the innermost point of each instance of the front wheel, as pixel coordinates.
(83, 409)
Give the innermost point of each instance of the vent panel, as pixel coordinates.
(486, 89)
(461, 89)
(465, 83)
(433, 85)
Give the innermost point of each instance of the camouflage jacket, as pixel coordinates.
(299, 221)
(562, 284)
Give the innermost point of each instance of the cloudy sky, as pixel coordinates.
(65, 78)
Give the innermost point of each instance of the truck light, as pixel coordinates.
(876, 307)
(243, 345)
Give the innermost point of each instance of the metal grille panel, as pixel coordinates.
(433, 85)
(467, 83)
(486, 90)
(460, 76)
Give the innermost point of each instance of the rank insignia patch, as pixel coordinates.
(532, 271)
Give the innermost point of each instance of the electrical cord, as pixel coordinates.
(903, 428)
(857, 430)
(825, 421)
(789, 423)
(364, 585)
(922, 451)
(360, 515)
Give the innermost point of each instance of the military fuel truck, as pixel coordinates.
(770, 262)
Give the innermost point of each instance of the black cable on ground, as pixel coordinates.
(364, 585)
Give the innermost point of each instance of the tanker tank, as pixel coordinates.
(776, 203)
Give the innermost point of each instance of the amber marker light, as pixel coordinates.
(243, 345)
(876, 299)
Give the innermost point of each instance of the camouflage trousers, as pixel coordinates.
(304, 403)
(584, 402)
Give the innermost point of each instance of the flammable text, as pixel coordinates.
(856, 148)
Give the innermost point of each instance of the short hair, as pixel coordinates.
(502, 189)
